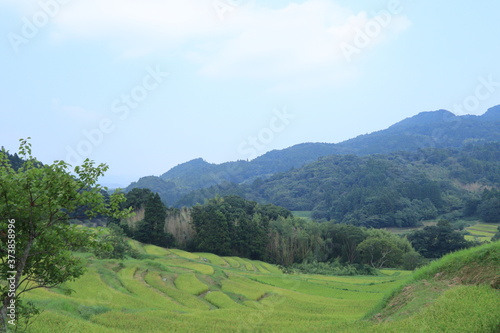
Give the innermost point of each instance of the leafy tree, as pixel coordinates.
(152, 229)
(212, 228)
(113, 244)
(383, 249)
(412, 260)
(35, 203)
(137, 198)
(436, 241)
(234, 226)
(343, 241)
(15, 161)
(380, 252)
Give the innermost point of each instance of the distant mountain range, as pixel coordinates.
(433, 129)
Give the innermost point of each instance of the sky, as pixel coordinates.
(145, 85)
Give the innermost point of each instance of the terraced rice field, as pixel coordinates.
(482, 232)
(178, 291)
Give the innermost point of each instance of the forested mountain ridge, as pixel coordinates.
(440, 129)
(397, 189)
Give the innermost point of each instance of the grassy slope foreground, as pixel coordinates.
(177, 291)
(458, 293)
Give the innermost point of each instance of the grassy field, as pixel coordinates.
(178, 291)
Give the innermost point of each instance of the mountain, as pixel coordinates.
(438, 129)
(493, 114)
(399, 189)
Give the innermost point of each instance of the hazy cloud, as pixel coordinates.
(300, 41)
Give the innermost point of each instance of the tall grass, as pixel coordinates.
(464, 309)
(474, 265)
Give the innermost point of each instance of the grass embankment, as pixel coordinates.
(458, 293)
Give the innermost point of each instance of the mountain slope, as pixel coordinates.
(439, 129)
(391, 190)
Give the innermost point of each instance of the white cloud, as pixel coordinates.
(280, 42)
(147, 22)
(298, 42)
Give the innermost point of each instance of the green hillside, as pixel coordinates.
(176, 291)
(436, 129)
(397, 190)
(458, 293)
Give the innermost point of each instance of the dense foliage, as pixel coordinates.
(151, 229)
(113, 244)
(237, 227)
(234, 226)
(436, 241)
(487, 207)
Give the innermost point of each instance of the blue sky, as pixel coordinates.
(146, 85)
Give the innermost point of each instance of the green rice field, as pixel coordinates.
(177, 291)
(482, 232)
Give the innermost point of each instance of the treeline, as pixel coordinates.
(150, 228)
(486, 207)
(233, 226)
(15, 161)
(395, 190)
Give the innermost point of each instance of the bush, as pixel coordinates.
(412, 260)
(331, 268)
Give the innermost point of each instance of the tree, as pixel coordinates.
(234, 226)
(383, 249)
(343, 240)
(113, 244)
(152, 229)
(412, 260)
(379, 252)
(436, 241)
(35, 205)
(137, 198)
(212, 228)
